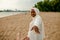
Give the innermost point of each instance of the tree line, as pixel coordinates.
(53, 5)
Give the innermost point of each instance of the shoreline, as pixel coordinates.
(6, 14)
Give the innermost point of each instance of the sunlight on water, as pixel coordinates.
(4, 14)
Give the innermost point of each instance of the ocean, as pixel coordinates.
(4, 14)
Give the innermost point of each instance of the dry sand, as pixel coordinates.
(15, 26)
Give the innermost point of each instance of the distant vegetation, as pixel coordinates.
(49, 5)
(8, 10)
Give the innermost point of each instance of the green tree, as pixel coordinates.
(47, 5)
(46, 0)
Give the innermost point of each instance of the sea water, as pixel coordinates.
(4, 14)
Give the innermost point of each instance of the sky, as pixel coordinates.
(17, 4)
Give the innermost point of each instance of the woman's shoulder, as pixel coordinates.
(38, 17)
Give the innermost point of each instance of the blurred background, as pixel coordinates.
(15, 18)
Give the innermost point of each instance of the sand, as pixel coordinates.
(16, 26)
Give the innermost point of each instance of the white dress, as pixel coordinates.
(37, 21)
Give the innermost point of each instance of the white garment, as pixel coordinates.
(37, 21)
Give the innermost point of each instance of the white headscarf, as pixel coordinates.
(36, 11)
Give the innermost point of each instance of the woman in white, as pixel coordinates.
(36, 27)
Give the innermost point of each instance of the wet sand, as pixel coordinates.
(16, 26)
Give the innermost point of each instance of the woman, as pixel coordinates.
(36, 27)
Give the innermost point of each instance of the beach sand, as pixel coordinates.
(16, 26)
